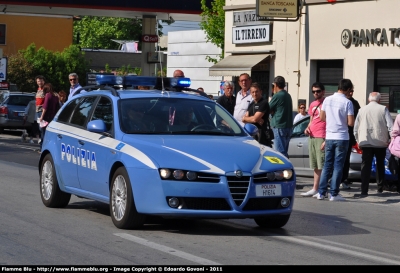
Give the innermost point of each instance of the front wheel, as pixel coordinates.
(122, 206)
(274, 221)
(50, 191)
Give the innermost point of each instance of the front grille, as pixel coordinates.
(238, 187)
(199, 203)
(264, 203)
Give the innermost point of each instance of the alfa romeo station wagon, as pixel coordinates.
(155, 152)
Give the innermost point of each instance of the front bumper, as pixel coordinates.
(205, 199)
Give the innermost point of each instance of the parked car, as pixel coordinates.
(12, 109)
(299, 155)
(156, 153)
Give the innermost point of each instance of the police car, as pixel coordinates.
(172, 154)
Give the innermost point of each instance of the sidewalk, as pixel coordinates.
(304, 184)
(14, 137)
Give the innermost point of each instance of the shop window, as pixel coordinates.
(329, 73)
(2, 34)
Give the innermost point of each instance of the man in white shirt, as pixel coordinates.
(74, 81)
(338, 113)
(243, 98)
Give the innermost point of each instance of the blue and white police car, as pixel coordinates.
(162, 153)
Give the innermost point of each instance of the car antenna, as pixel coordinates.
(159, 57)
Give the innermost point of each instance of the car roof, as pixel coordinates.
(134, 93)
(158, 93)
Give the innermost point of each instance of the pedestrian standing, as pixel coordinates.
(243, 98)
(74, 81)
(40, 81)
(316, 130)
(178, 74)
(62, 96)
(50, 107)
(337, 111)
(227, 100)
(394, 148)
(356, 107)
(372, 133)
(258, 114)
(281, 108)
(30, 116)
(302, 113)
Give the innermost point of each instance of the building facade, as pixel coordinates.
(359, 40)
(49, 31)
(187, 51)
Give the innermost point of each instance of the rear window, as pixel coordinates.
(19, 100)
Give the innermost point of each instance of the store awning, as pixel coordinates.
(235, 65)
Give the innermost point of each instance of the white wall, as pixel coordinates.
(187, 51)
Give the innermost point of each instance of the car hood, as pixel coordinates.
(216, 154)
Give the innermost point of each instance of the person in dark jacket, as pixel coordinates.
(356, 106)
(227, 100)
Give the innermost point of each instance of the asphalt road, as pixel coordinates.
(356, 232)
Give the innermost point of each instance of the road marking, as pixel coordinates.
(166, 249)
(327, 245)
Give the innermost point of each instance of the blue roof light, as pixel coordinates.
(155, 82)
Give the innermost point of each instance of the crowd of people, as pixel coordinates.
(41, 111)
(336, 124)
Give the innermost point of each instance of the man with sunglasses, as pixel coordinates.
(316, 130)
(338, 113)
(74, 81)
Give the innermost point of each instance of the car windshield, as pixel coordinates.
(176, 116)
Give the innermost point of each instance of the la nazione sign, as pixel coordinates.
(278, 8)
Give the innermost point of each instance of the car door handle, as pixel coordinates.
(81, 142)
(299, 144)
(59, 136)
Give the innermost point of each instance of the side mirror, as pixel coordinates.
(251, 129)
(97, 126)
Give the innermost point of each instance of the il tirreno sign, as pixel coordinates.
(250, 34)
(377, 36)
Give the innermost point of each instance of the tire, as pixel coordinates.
(1, 130)
(275, 221)
(122, 205)
(50, 191)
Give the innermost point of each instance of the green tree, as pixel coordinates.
(213, 23)
(24, 66)
(98, 32)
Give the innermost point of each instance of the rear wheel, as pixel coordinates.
(122, 206)
(50, 191)
(274, 221)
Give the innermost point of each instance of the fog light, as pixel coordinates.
(279, 175)
(271, 176)
(178, 174)
(173, 202)
(165, 173)
(191, 175)
(285, 202)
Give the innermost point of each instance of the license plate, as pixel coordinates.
(269, 190)
(21, 114)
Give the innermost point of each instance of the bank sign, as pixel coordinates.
(250, 28)
(278, 8)
(377, 36)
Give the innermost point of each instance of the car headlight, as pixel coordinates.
(165, 173)
(287, 174)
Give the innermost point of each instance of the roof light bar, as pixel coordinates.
(155, 82)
